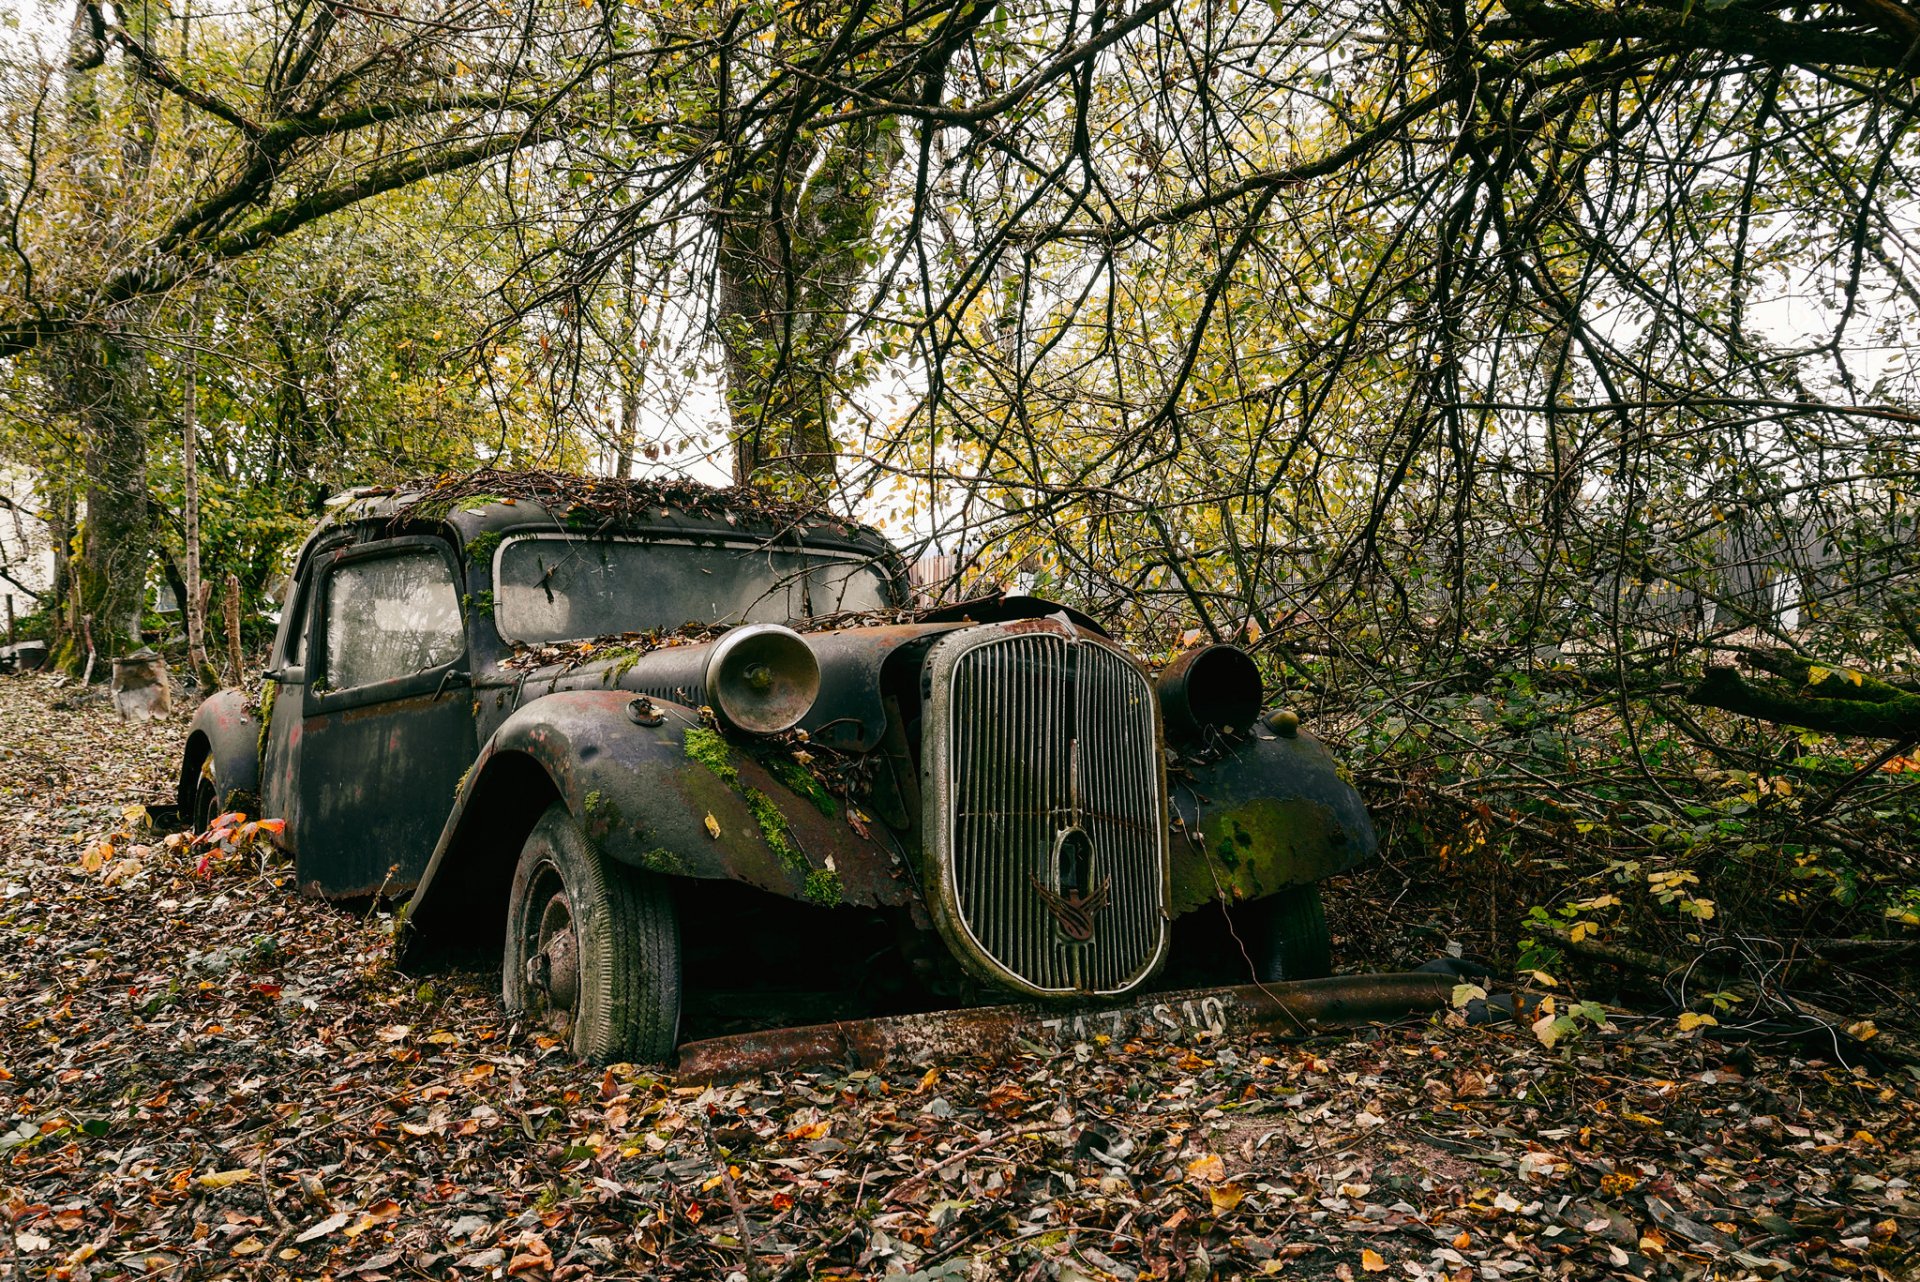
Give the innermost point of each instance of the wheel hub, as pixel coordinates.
(554, 967)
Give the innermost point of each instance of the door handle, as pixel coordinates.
(453, 677)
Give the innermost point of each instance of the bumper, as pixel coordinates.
(997, 1031)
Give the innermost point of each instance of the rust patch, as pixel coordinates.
(995, 1032)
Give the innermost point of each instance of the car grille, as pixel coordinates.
(1037, 734)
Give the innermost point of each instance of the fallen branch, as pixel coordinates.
(1880, 1042)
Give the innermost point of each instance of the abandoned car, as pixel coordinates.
(641, 742)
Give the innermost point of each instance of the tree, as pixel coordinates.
(286, 117)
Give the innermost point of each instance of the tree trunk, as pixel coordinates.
(190, 502)
(791, 264)
(109, 392)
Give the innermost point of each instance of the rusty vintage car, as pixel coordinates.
(653, 745)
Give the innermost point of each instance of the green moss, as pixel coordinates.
(478, 602)
(475, 502)
(481, 546)
(268, 692)
(798, 778)
(823, 888)
(773, 826)
(712, 751)
(662, 860)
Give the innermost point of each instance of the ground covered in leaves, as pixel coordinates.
(205, 1076)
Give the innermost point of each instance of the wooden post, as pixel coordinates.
(9, 618)
(233, 628)
(86, 632)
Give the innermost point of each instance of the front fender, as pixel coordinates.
(225, 731)
(674, 798)
(1274, 812)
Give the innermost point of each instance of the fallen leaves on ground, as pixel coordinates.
(208, 1076)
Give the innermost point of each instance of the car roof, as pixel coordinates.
(497, 502)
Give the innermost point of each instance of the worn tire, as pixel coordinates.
(624, 1001)
(1290, 939)
(206, 799)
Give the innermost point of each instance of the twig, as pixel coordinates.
(920, 1177)
(266, 1194)
(733, 1199)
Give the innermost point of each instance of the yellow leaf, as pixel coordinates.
(1581, 929)
(713, 826)
(1208, 1170)
(1225, 1196)
(1372, 1261)
(1863, 1030)
(1816, 674)
(1690, 1020)
(224, 1179)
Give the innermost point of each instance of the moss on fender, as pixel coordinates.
(1255, 849)
(710, 749)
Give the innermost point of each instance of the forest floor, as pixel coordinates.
(206, 1076)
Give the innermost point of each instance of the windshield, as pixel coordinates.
(557, 588)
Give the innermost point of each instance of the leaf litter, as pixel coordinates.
(208, 1076)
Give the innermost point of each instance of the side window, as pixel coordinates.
(391, 617)
(295, 637)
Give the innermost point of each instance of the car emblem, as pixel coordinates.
(1074, 911)
(1074, 905)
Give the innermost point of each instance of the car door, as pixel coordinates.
(387, 726)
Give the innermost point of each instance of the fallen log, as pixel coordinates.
(993, 1032)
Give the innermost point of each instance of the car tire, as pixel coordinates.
(206, 799)
(592, 948)
(1290, 939)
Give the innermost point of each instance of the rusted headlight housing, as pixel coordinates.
(762, 678)
(1216, 687)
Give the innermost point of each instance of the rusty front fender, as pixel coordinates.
(653, 788)
(226, 733)
(1275, 812)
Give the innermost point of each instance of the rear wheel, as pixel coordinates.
(1289, 936)
(592, 948)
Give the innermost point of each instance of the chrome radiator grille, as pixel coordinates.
(1047, 814)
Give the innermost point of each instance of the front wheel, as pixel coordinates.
(1289, 936)
(592, 949)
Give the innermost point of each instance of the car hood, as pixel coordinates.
(850, 713)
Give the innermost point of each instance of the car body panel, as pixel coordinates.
(1272, 811)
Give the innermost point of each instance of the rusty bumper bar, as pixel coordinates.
(995, 1031)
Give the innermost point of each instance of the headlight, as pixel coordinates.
(762, 678)
(1216, 687)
